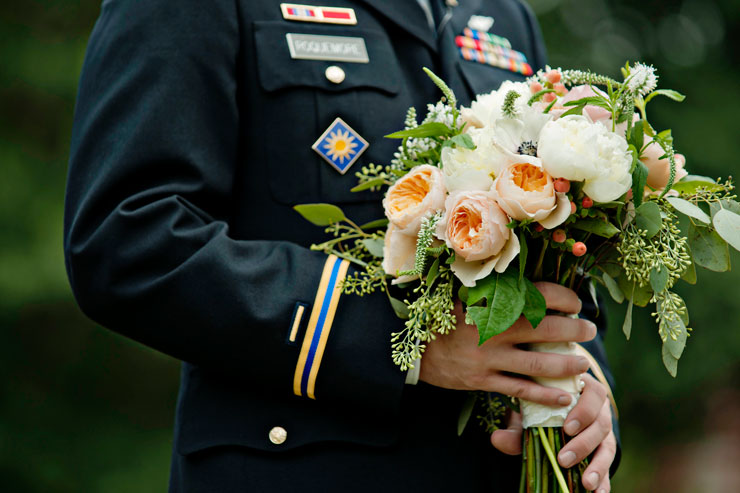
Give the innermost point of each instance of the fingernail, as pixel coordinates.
(567, 459)
(602, 490)
(571, 427)
(593, 478)
(564, 400)
(583, 364)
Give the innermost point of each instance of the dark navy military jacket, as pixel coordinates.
(192, 142)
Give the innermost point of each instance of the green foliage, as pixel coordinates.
(509, 106)
(597, 227)
(320, 214)
(648, 219)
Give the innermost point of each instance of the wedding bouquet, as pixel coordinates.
(560, 178)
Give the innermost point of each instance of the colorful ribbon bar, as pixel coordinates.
(475, 44)
(483, 36)
(311, 13)
(497, 61)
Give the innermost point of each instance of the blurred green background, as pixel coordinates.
(84, 410)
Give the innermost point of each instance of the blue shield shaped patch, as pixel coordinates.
(340, 145)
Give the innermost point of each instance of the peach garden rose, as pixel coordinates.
(474, 226)
(418, 194)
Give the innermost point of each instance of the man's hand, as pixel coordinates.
(455, 361)
(590, 422)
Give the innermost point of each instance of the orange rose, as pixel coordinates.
(420, 192)
(525, 191)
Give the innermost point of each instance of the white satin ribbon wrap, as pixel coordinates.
(534, 414)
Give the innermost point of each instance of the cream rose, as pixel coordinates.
(475, 227)
(419, 193)
(659, 170)
(525, 191)
(577, 149)
(399, 253)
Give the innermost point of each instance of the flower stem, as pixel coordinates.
(554, 463)
(538, 270)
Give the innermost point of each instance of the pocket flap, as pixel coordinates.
(277, 70)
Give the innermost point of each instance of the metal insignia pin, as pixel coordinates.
(340, 145)
(480, 23)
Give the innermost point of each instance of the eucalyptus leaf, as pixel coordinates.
(378, 223)
(535, 306)
(691, 186)
(730, 205)
(639, 295)
(727, 225)
(375, 182)
(709, 249)
(671, 363)
(676, 346)
(320, 214)
(374, 246)
(504, 304)
(613, 288)
(659, 278)
(689, 209)
(597, 227)
(648, 218)
(401, 309)
(689, 275)
(430, 129)
(465, 413)
(627, 325)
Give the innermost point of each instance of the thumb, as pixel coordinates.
(509, 441)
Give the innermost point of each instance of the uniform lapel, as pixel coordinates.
(408, 15)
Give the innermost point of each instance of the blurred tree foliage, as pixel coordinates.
(82, 409)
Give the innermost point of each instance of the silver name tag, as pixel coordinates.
(334, 48)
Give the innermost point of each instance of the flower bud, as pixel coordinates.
(579, 249)
(558, 236)
(562, 185)
(535, 87)
(587, 202)
(553, 76)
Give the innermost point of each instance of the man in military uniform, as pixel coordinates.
(192, 141)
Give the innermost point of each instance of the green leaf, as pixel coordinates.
(691, 186)
(612, 287)
(627, 325)
(577, 110)
(689, 275)
(659, 278)
(535, 307)
(689, 209)
(597, 227)
(671, 363)
(378, 223)
(374, 246)
(375, 182)
(462, 140)
(523, 252)
(320, 214)
(430, 129)
(637, 135)
(639, 180)
(465, 413)
(647, 217)
(504, 303)
(433, 271)
(709, 249)
(727, 225)
(669, 93)
(639, 295)
(401, 309)
(730, 205)
(676, 347)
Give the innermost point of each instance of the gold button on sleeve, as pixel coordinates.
(278, 435)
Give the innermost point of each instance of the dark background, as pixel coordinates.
(84, 410)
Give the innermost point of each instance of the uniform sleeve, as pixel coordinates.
(148, 248)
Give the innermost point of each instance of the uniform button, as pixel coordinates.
(278, 435)
(335, 74)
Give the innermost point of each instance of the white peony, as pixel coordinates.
(576, 149)
(486, 109)
(472, 169)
